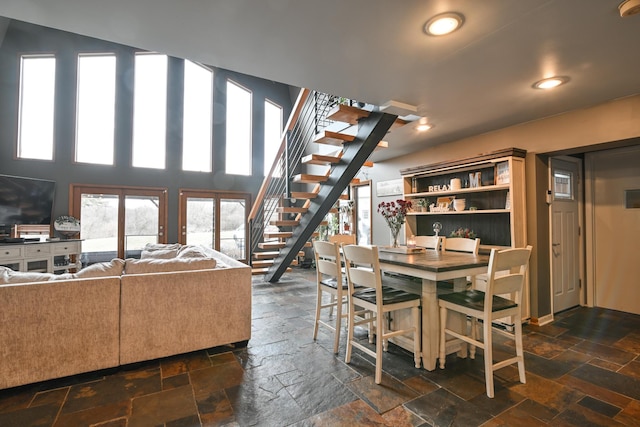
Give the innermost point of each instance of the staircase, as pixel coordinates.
(285, 202)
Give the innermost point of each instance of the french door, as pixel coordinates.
(216, 220)
(118, 221)
(361, 193)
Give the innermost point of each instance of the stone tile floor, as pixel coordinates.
(582, 370)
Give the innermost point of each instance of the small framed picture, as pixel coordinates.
(502, 173)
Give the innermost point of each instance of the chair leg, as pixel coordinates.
(474, 336)
(379, 342)
(336, 339)
(350, 328)
(488, 356)
(372, 331)
(519, 349)
(443, 337)
(333, 301)
(318, 304)
(416, 336)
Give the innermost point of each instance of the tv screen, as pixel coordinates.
(25, 200)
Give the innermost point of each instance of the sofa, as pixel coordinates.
(174, 299)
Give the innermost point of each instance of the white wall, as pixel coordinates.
(613, 238)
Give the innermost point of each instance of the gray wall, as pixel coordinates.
(22, 38)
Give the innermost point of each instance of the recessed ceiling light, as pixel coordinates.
(423, 125)
(550, 82)
(443, 23)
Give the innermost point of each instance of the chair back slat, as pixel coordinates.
(363, 267)
(327, 258)
(506, 274)
(430, 242)
(462, 244)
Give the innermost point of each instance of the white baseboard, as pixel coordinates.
(541, 321)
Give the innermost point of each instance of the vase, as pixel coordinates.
(394, 236)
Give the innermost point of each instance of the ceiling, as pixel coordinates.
(475, 80)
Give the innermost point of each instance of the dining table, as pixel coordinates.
(432, 266)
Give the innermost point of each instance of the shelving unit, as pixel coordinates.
(495, 209)
(45, 257)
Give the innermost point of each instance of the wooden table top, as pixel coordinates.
(435, 261)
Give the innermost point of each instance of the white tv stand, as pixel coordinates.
(46, 257)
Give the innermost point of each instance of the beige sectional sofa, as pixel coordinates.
(125, 311)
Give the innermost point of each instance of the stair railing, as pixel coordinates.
(307, 119)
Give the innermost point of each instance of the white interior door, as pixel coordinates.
(565, 232)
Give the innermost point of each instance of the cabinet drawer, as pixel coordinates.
(66, 248)
(11, 252)
(30, 251)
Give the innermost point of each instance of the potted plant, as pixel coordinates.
(422, 204)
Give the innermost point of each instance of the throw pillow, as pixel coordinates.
(102, 269)
(161, 246)
(11, 277)
(154, 265)
(159, 253)
(192, 252)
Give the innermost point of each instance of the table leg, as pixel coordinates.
(430, 324)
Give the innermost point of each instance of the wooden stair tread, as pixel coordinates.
(266, 255)
(291, 209)
(347, 114)
(278, 235)
(268, 263)
(320, 159)
(333, 138)
(262, 271)
(272, 245)
(303, 195)
(284, 222)
(398, 123)
(344, 197)
(305, 178)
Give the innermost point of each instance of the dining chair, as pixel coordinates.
(363, 269)
(462, 244)
(506, 275)
(330, 280)
(430, 242)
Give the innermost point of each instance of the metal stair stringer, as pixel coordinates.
(371, 130)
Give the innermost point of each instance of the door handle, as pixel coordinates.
(555, 244)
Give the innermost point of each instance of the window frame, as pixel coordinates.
(250, 126)
(20, 119)
(77, 106)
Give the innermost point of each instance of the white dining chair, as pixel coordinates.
(329, 280)
(430, 242)
(506, 275)
(363, 269)
(462, 244)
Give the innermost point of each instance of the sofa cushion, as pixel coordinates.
(102, 269)
(192, 252)
(8, 276)
(149, 247)
(155, 265)
(159, 253)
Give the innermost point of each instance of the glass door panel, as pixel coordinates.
(233, 213)
(141, 223)
(201, 221)
(99, 227)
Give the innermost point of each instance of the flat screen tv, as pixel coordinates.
(25, 200)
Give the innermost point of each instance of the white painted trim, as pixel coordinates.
(541, 321)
